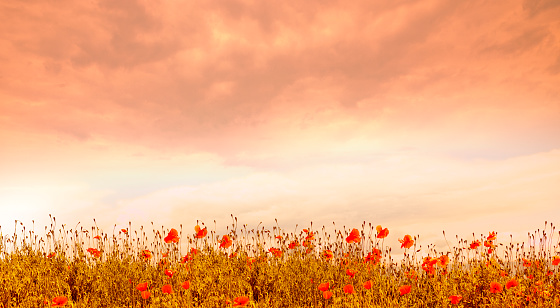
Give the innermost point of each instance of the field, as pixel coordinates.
(195, 267)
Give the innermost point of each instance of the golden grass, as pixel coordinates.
(91, 268)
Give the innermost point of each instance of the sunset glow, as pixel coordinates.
(417, 116)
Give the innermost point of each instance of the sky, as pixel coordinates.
(420, 116)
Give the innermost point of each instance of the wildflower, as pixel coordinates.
(368, 284)
(327, 254)
(492, 236)
(404, 289)
(475, 244)
(94, 252)
(407, 241)
(52, 254)
(275, 252)
(555, 260)
(382, 233)
(350, 273)
(310, 236)
(293, 244)
(323, 286)
(142, 286)
(169, 273)
(512, 283)
(172, 237)
(97, 237)
(495, 287)
(225, 242)
(428, 265)
(455, 299)
(443, 261)
(200, 233)
(186, 285)
(124, 231)
(354, 237)
(240, 301)
(167, 289)
(526, 263)
(374, 256)
(59, 301)
(146, 254)
(348, 289)
(145, 294)
(327, 294)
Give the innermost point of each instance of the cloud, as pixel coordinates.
(172, 74)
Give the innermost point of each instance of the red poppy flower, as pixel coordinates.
(146, 254)
(142, 286)
(276, 252)
(455, 299)
(168, 272)
(293, 244)
(443, 261)
(97, 237)
(124, 231)
(404, 289)
(327, 254)
(495, 287)
(382, 233)
(555, 260)
(512, 283)
(186, 285)
(167, 289)
(407, 241)
(475, 244)
(59, 301)
(94, 252)
(368, 284)
(374, 256)
(350, 273)
(200, 233)
(145, 294)
(354, 237)
(492, 236)
(327, 294)
(172, 237)
(310, 236)
(323, 286)
(526, 262)
(348, 289)
(240, 301)
(225, 242)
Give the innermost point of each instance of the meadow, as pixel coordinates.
(195, 267)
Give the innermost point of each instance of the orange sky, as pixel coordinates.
(417, 115)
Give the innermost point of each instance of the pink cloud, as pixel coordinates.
(237, 77)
